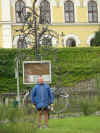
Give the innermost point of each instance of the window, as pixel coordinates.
(45, 14)
(21, 43)
(70, 43)
(20, 11)
(69, 11)
(92, 12)
(46, 41)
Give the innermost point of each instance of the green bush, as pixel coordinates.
(97, 102)
(97, 39)
(8, 81)
(15, 120)
(69, 66)
(9, 113)
(85, 107)
(24, 127)
(89, 107)
(14, 114)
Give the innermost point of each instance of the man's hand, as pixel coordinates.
(51, 107)
(33, 106)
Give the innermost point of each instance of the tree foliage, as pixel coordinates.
(97, 39)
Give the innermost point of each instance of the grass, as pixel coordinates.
(90, 124)
(19, 127)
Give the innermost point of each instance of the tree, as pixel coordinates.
(97, 39)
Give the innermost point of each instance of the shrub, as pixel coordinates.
(69, 66)
(87, 106)
(97, 39)
(14, 114)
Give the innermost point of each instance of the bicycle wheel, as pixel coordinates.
(61, 100)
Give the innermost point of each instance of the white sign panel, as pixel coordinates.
(33, 69)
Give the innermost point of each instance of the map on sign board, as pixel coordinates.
(33, 69)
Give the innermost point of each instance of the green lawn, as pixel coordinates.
(89, 124)
(73, 125)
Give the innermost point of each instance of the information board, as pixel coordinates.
(33, 69)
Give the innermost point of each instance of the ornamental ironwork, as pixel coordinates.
(31, 30)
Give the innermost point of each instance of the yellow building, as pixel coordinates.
(75, 21)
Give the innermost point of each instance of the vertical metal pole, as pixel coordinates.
(35, 28)
(36, 43)
(18, 95)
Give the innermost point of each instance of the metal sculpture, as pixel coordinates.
(31, 35)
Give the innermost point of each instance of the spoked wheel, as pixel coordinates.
(61, 100)
(27, 104)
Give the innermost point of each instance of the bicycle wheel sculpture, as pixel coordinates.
(61, 100)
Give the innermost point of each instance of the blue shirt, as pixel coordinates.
(42, 95)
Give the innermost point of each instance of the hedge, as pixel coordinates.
(69, 66)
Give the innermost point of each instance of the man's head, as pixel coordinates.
(40, 80)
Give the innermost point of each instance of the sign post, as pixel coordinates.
(17, 77)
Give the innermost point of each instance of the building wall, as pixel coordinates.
(0, 27)
(81, 30)
(82, 14)
(60, 17)
(1, 37)
(0, 11)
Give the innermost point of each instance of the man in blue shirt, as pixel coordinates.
(42, 97)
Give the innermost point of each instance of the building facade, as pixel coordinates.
(75, 21)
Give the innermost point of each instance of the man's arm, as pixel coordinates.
(50, 94)
(33, 95)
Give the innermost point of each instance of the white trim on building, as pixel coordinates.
(73, 36)
(90, 37)
(6, 28)
(6, 7)
(76, 2)
(28, 3)
(15, 41)
(52, 3)
(85, 2)
(7, 36)
(54, 42)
